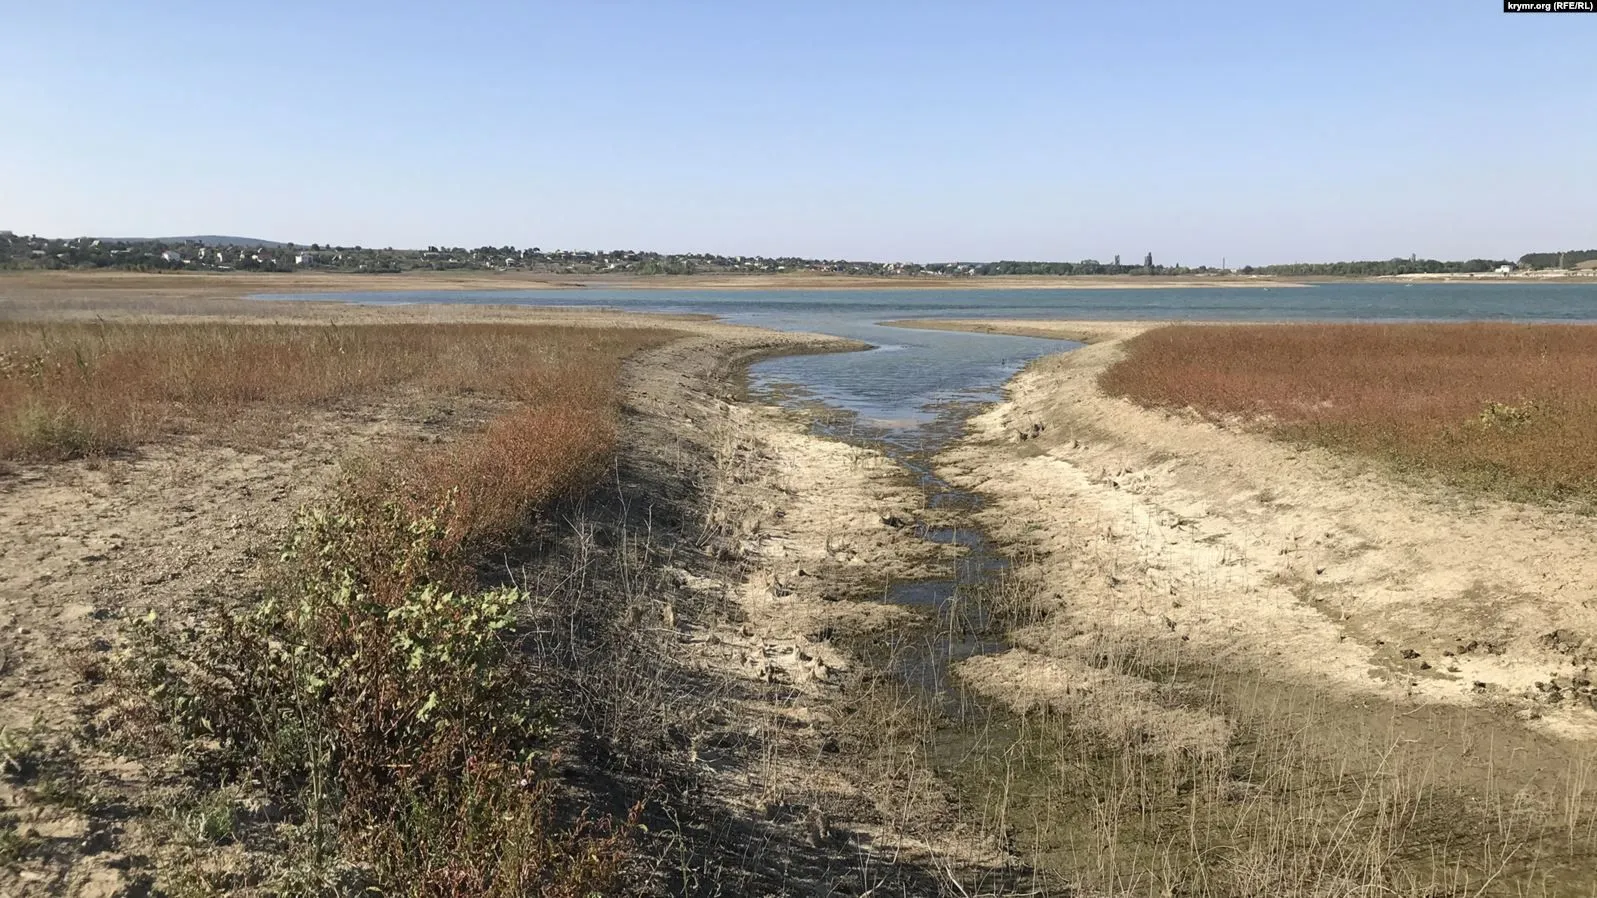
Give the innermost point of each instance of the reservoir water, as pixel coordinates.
(911, 374)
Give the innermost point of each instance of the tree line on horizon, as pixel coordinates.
(1373, 268)
(33, 252)
(1414, 265)
(1557, 260)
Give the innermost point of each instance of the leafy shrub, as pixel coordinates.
(22, 753)
(382, 699)
(380, 702)
(15, 847)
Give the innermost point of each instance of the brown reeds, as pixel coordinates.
(70, 389)
(1506, 407)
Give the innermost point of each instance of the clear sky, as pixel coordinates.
(873, 129)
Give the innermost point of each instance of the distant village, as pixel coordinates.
(215, 254)
(238, 254)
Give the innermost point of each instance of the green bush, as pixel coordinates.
(379, 705)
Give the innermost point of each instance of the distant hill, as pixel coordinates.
(1571, 258)
(203, 240)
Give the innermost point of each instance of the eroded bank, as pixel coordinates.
(1244, 666)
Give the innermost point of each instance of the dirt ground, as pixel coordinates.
(806, 526)
(1314, 567)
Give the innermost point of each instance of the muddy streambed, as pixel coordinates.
(955, 624)
(958, 625)
(964, 731)
(908, 397)
(1175, 775)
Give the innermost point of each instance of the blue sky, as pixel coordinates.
(1258, 132)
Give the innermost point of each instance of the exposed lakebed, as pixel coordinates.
(1066, 796)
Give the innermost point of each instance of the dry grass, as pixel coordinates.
(487, 486)
(1506, 407)
(72, 390)
(1234, 784)
(381, 698)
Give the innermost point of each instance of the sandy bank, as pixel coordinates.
(1517, 279)
(1074, 331)
(1308, 567)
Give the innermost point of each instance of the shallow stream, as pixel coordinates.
(1079, 809)
(885, 407)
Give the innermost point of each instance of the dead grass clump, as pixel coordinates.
(1506, 407)
(468, 498)
(69, 390)
(522, 460)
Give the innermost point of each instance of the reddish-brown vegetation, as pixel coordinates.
(70, 390)
(387, 704)
(1512, 407)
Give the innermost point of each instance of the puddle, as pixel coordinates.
(957, 625)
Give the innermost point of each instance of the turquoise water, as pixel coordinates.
(901, 384)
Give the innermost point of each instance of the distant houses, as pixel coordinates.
(214, 254)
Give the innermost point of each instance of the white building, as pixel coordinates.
(172, 257)
(1505, 269)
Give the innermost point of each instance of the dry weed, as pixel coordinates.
(69, 390)
(1507, 407)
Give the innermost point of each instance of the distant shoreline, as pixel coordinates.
(36, 284)
(250, 283)
(1567, 277)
